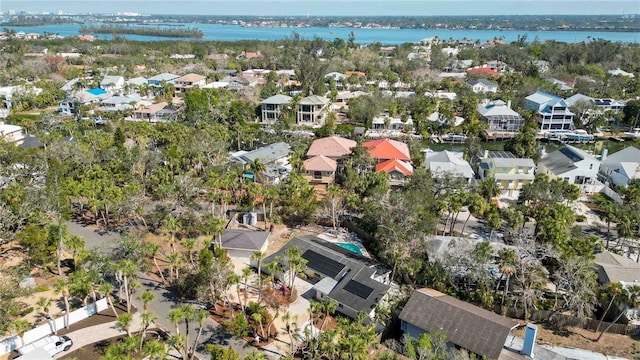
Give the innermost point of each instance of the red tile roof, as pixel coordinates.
(483, 71)
(320, 163)
(332, 146)
(386, 149)
(395, 165)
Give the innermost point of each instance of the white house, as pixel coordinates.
(274, 157)
(552, 110)
(443, 164)
(337, 76)
(11, 133)
(482, 86)
(620, 72)
(112, 83)
(622, 167)
(570, 164)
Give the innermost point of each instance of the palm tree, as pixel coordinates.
(296, 264)
(106, 288)
(190, 245)
(153, 250)
(612, 291)
(246, 272)
(506, 263)
(257, 167)
(124, 322)
(329, 306)
(127, 268)
(175, 261)
(171, 225)
(148, 318)
(146, 297)
(62, 287)
(44, 305)
(255, 355)
(154, 349)
(630, 299)
(175, 316)
(258, 256)
(270, 323)
(19, 327)
(200, 316)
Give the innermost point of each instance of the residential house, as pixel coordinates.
(154, 113)
(336, 76)
(392, 157)
(249, 55)
(243, 243)
(570, 164)
(442, 119)
(121, 103)
(470, 327)
(344, 97)
(613, 105)
(482, 71)
(188, 82)
(218, 57)
(508, 171)
(387, 122)
(622, 167)
(11, 133)
(620, 72)
(10, 94)
(273, 106)
(497, 65)
(614, 268)
(446, 164)
(355, 282)
(255, 72)
(134, 84)
(442, 95)
(553, 111)
(274, 157)
(482, 86)
(320, 170)
(112, 83)
(500, 118)
(312, 110)
(158, 80)
(562, 84)
(240, 83)
(71, 104)
(575, 99)
(289, 73)
(542, 65)
(334, 147)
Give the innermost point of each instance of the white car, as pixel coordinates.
(51, 344)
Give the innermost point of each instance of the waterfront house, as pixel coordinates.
(272, 107)
(500, 118)
(387, 122)
(274, 157)
(355, 282)
(508, 171)
(622, 167)
(312, 110)
(553, 111)
(391, 157)
(187, 83)
(158, 80)
(112, 83)
(445, 164)
(334, 147)
(570, 164)
(467, 326)
(482, 86)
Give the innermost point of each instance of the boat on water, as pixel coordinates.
(454, 138)
(578, 135)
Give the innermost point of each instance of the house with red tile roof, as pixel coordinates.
(483, 71)
(320, 170)
(250, 55)
(333, 147)
(392, 157)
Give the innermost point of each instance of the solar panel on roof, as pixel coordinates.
(358, 289)
(322, 264)
(570, 154)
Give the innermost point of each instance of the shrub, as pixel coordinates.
(238, 326)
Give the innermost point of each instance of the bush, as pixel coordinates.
(26, 311)
(238, 326)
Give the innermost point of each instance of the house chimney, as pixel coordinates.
(509, 104)
(529, 340)
(604, 155)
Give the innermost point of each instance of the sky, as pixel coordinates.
(332, 7)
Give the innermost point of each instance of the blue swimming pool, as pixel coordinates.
(351, 247)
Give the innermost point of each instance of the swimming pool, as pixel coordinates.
(351, 247)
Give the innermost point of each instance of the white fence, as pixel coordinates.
(12, 343)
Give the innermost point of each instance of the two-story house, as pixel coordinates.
(112, 83)
(622, 167)
(552, 110)
(570, 164)
(272, 107)
(508, 171)
(447, 164)
(186, 83)
(392, 157)
(325, 157)
(500, 118)
(312, 110)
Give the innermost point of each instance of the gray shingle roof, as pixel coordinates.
(277, 99)
(314, 100)
(244, 239)
(351, 271)
(468, 326)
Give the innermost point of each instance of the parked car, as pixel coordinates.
(51, 344)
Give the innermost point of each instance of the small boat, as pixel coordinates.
(578, 135)
(454, 137)
(635, 133)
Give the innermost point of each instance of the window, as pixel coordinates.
(317, 175)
